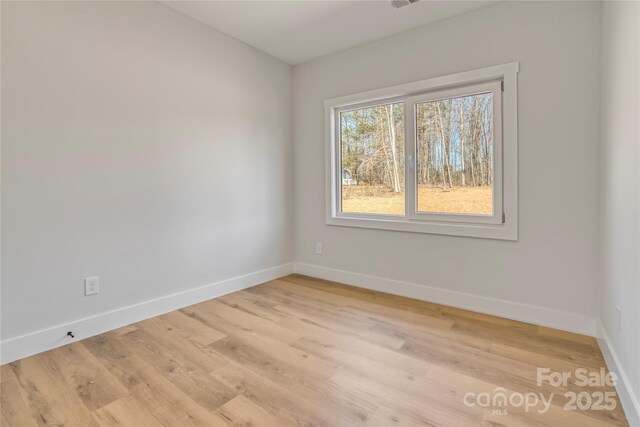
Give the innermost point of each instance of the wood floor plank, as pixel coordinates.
(302, 373)
(400, 305)
(268, 355)
(192, 328)
(394, 376)
(190, 378)
(283, 401)
(427, 411)
(112, 352)
(367, 307)
(558, 347)
(568, 336)
(14, 411)
(324, 341)
(459, 384)
(165, 339)
(128, 411)
(385, 417)
(172, 404)
(241, 412)
(237, 322)
(305, 352)
(519, 375)
(327, 311)
(252, 304)
(50, 400)
(342, 322)
(92, 382)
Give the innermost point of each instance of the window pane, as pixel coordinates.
(372, 147)
(454, 141)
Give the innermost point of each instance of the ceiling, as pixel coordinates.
(299, 31)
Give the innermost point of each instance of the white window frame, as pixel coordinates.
(495, 88)
(503, 223)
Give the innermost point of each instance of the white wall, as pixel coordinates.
(620, 191)
(555, 262)
(140, 146)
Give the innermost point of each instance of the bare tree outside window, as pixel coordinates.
(372, 149)
(455, 155)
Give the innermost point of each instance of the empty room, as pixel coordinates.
(320, 213)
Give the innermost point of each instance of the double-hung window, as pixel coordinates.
(434, 156)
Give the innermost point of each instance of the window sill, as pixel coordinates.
(505, 231)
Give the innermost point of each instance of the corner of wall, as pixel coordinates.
(628, 398)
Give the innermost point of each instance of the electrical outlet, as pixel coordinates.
(619, 310)
(319, 248)
(91, 285)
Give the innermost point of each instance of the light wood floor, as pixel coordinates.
(306, 352)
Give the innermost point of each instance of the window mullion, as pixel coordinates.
(409, 159)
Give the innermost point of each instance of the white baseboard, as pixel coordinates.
(628, 398)
(56, 336)
(542, 316)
